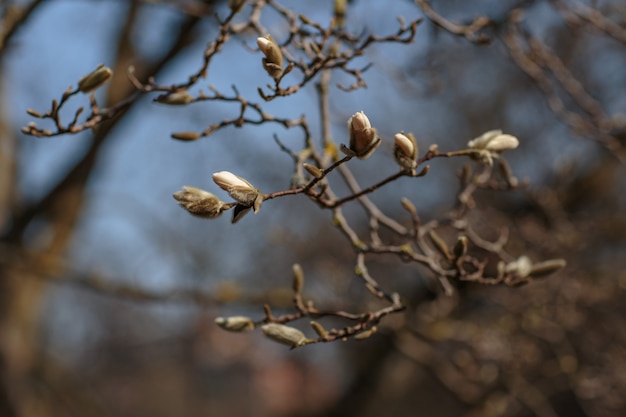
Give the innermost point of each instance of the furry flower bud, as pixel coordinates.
(235, 323)
(95, 79)
(490, 144)
(200, 203)
(363, 137)
(286, 335)
(405, 150)
(239, 189)
(273, 61)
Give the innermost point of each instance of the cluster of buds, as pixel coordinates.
(490, 144)
(363, 137)
(204, 204)
(273, 61)
(405, 150)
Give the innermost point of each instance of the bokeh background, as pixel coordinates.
(108, 290)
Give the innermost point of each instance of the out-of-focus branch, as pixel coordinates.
(12, 19)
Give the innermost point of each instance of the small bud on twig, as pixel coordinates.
(185, 136)
(286, 335)
(490, 144)
(363, 138)
(273, 61)
(175, 99)
(239, 189)
(94, 79)
(313, 170)
(320, 330)
(405, 150)
(235, 323)
(201, 203)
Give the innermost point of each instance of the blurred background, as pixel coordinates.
(109, 290)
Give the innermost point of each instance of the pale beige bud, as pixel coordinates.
(313, 170)
(286, 335)
(95, 79)
(175, 99)
(239, 189)
(273, 61)
(363, 137)
(235, 323)
(405, 150)
(200, 203)
(491, 143)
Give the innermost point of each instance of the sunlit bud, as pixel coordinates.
(185, 136)
(273, 61)
(201, 203)
(238, 188)
(175, 99)
(491, 143)
(235, 323)
(520, 268)
(94, 79)
(363, 137)
(284, 334)
(405, 150)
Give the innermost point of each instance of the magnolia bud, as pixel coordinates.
(405, 150)
(185, 136)
(313, 170)
(95, 79)
(273, 61)
(363, 137)
(175, 99)
(200, 203)
(239, 189)
(284, 334)
(490, 144)
(235, 323)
